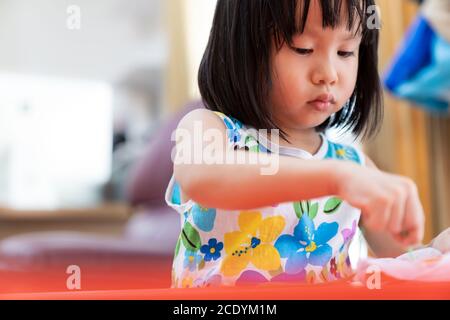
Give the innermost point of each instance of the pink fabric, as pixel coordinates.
(420, 265)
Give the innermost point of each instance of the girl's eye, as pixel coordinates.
(303, 51)
(346, 54)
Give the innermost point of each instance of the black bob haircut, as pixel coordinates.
(235, 72)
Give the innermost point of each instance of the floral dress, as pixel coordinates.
(303, 241)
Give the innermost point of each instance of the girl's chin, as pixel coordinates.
(313, 122)
(307, 120)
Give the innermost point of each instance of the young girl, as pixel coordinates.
(300, 66)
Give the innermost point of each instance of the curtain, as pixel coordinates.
(176, 79)
(188, 24)
(439, 136)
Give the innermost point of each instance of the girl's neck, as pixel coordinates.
(308, 140)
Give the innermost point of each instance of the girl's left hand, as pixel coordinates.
(442, 241)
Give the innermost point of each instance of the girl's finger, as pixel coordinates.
(376, 219)
(397, 215)
(413, 222)
(382, 219)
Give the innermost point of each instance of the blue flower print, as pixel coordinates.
(342, 152)
(346, 153)
(191, 260)
(307, 245)
(203, 217)
(233, 129)
(212, 249)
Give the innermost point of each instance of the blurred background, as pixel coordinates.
(90, 92)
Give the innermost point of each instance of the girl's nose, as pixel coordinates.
(324, 74)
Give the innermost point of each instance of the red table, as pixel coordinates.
(142, 285)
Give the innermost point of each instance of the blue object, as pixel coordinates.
(420, 71)
(413, 55)
(431, 86)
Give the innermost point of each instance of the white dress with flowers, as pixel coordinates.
(303, 241)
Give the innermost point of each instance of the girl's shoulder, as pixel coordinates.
(230, 122)
(240, 135)
(213, 120)
(207, 117)
(232, 128)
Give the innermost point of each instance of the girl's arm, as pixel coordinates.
(389, 202)
(243, 186)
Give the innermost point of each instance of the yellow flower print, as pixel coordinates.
(325, 275)
(187, 282)
(346, 153)
(341, 152)
(253, 243)
(342, 266)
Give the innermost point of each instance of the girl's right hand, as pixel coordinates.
(388, 202)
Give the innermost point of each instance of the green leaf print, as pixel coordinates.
(305, 207)
(177, 247)
(298, 210)
(313, 210)
(332, 205)
(251, 144)
(190, 237)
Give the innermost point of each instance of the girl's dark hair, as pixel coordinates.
(235, 73)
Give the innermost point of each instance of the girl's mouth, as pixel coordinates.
(321, 106)
(323, 102)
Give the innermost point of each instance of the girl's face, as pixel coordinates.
(316, 76)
